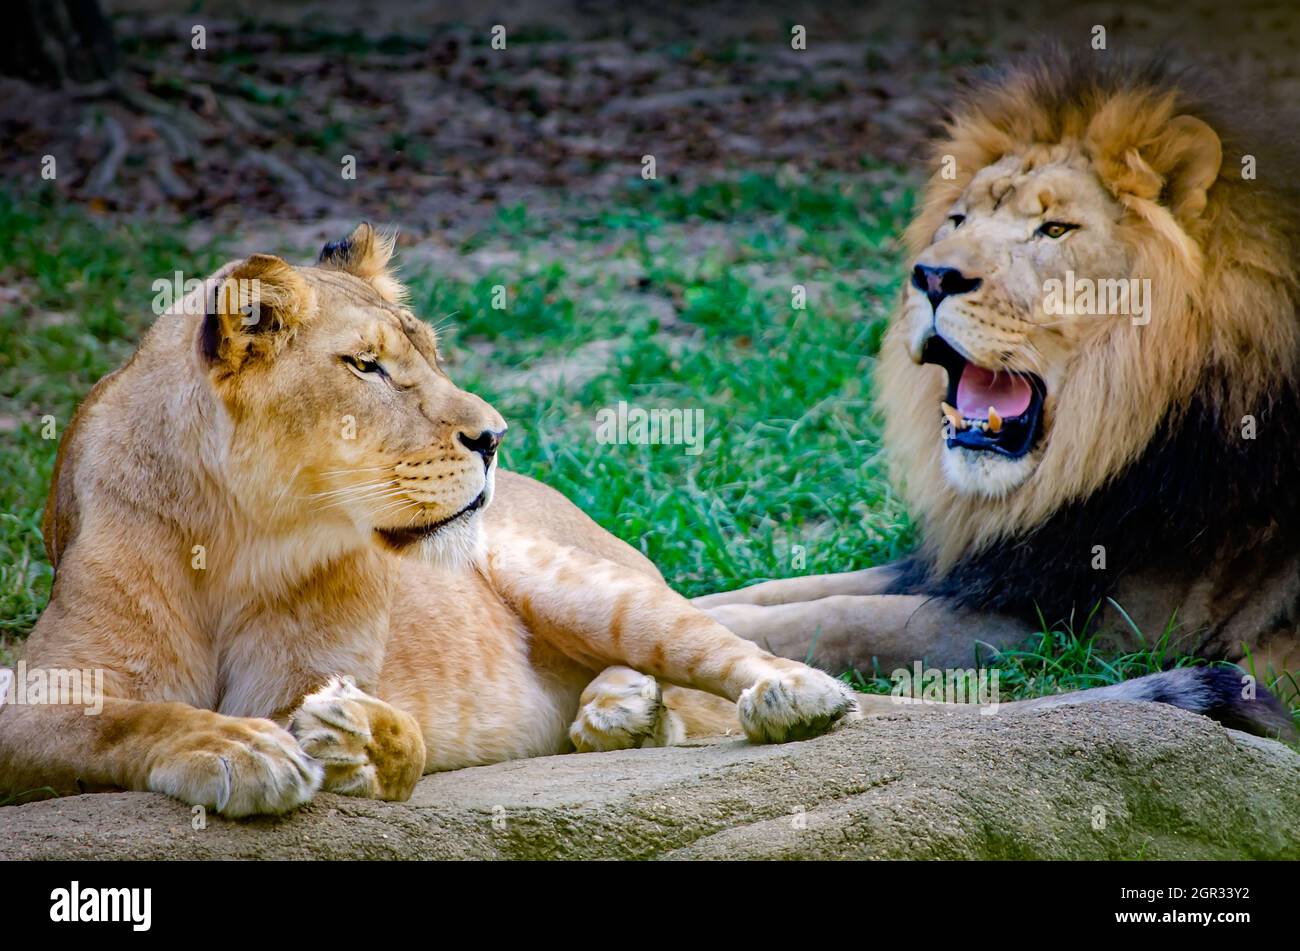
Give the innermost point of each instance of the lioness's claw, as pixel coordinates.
(238, 767)
(795, 706)
(339, 725)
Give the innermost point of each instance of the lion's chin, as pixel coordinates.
(976, 473)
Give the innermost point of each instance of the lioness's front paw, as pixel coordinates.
(237, 766)
(794, 706)
(623, 709)
(368, 747)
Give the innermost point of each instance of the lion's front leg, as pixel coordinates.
(884, 632)
(804, 588)
(603, 614)
(368, 748)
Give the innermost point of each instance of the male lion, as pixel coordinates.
(278, 510)
(1143, 452)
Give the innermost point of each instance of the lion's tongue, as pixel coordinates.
(978, 389)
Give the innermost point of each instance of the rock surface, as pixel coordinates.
(1119, 781)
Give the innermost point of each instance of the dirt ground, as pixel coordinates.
(444, 129)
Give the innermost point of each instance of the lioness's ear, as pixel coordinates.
(1188, 156)
(254, 310)
(365, 253)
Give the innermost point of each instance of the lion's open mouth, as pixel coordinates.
(400, 538)
(990, 411)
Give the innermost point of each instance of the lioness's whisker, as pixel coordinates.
(288, 484)
(385, 502)
(375, 496)
(331, 472)
(394, 509)
(326, 508)
(356, 496)
(351, 489)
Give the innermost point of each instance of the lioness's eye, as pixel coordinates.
(1055, 229)
(956, 220)
(362, 363)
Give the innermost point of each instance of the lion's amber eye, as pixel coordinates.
(1055, 229)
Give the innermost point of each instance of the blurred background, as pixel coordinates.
(141, 138)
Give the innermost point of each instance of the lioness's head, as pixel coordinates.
(339, 410)
(1084, 256)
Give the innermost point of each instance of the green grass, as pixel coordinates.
(784, 392)
(663, 297)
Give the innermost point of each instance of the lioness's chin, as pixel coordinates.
(457, 546)
(454, 540)
(981, 473)
(450, 542)
(453, 543)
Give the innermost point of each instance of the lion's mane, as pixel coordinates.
(1147, 455)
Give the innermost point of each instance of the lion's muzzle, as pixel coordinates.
(987, 410)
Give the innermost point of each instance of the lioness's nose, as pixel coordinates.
(936, 283)
(485, 443)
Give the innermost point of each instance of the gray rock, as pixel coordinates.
(1114, 781)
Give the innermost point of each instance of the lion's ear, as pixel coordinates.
(1171, 162)
(366, 254)
(1188, 156)
(253, 310)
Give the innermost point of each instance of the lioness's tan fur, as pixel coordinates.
(236, 525)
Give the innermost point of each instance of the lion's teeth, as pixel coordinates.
(954, 417)
(995, 421)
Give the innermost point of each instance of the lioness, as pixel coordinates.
(281, 512)
(1091, 390)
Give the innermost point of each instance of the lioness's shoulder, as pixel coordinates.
(520, 500)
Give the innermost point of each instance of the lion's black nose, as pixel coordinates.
(485, 443)
(936, 283)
